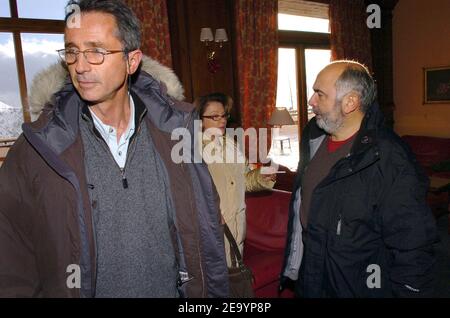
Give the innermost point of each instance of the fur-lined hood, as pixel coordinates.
(51, 80)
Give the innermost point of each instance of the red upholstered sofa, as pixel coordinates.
(267, 216)
(433, 154)
(430, 151)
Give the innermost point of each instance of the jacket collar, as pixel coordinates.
(139, 112)
(58, 125)
(367, 135)
(365, 146)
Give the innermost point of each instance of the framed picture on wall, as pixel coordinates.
(437, 85)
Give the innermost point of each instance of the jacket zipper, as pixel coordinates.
(130, 151)
(122, 171)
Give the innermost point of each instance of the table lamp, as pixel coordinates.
(280, 117)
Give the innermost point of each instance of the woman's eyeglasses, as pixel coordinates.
(225, 116)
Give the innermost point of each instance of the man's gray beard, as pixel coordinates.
(329, 125)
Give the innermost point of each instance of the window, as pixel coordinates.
(315, 61)
(287, 80)
(301, 23)
(304, 49)
(4, 8)
(11, 114)
(42, 9)
(30, 33)
(4, 148)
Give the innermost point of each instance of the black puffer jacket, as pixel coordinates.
(367, 217)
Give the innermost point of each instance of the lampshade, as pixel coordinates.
(206, 35)
(280, 117)
(221, 35)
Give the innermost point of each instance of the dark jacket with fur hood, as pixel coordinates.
(45, 213)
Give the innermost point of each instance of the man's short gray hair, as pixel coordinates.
(129, 29)
(356, 77)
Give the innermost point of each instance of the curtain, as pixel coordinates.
(257, 59)
(350, 36)
(154, 20)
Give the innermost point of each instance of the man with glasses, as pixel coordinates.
(92, 204)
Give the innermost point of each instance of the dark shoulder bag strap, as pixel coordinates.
(235, 253)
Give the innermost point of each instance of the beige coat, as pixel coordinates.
(232, 180)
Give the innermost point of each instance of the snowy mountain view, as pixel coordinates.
(11, 120)
(38, 50)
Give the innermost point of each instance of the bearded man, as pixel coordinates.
(359, 225)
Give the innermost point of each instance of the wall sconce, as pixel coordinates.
(206, 36)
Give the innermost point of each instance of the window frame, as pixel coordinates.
(16, 26)
(301, 41)
(5, 144)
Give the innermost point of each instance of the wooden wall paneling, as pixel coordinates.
(187, 17)
(213, 14)
(382, 59)
(236, 111)
(179, 38)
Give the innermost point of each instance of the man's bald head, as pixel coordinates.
(352, 76)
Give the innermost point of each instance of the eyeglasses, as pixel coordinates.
(94, 56)
(225, 116)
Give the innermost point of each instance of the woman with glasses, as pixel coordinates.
(227, 165)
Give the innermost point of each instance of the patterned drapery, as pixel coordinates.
(350, 36)
(257, 59)
(155, 28)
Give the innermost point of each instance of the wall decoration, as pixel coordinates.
(437, 85)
